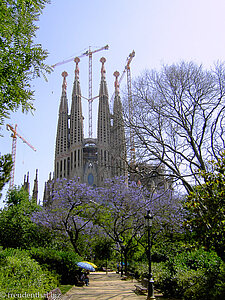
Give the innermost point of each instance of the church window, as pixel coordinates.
(68, 166)
(90, 179)
(75, 159)
(60, 169)
(64, 168)
(57, 170)
(78, 158)
(71, 160)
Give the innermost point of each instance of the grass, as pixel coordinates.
(65, 288)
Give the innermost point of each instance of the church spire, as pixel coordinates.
(62, 137)
(26, 183)
(35, 188)
(118, 134)
(63, 102)
(104, 128)
(76, 127)
(103, 85)
(116, 84)
(76, 84)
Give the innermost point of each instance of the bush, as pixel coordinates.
(21, 275)
(192, 275)
(62, 262)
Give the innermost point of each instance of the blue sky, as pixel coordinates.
(160, 32)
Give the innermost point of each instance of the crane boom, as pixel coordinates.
(65, 61)
(89, 52)
(14, 137)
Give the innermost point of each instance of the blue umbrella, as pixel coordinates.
(86, 266)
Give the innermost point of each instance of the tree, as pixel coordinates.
(71, 212)
(122, 214)
(123, 207)
(17, 229)
(5, 170)
(21, 59)
(178, 119)
(114, 212)
(103, 249)
(206, 206)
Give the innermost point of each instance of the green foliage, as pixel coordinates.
(206, 206)
(19, 274)
(65, 288)
(18, 196)
(62, 262)
(103, 249)
(17, 229)
(21, 59)
(5, 170)
(164, 248)
(191, 275)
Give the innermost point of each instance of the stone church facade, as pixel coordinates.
(92, 160)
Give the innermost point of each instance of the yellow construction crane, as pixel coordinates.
(14, 137)
(90, 99)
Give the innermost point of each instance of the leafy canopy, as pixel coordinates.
(17, 229)
(21, 59)
(5, 169)
(206, 205)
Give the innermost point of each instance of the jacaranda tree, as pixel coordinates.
(123, 207)
(114, 212)
(71, 212)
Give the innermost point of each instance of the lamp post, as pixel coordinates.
(149, 219)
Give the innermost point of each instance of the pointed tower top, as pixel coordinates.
(77, 60)
(26, 184)
(117, 85)
(35, 188)
(103, 60)
(64, 85)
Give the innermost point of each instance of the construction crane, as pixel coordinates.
(88, 53)
(130, 103)
(126, 69)
(14, 137)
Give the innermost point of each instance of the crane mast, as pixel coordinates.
(90, 100)
(126, 69)
(130, 104)
(14, 140)
(89, 53)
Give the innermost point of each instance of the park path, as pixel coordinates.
(105, 286)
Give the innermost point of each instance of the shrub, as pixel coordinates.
(62, 262)
(21, 275)
(192, 275)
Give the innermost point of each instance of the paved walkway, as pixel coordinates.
(105, 286)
